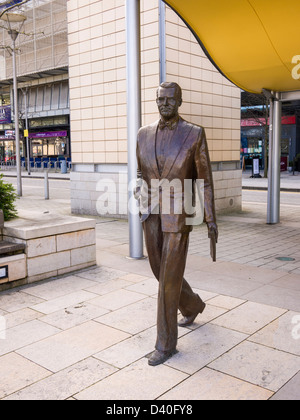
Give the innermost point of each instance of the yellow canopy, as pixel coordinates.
(254, 43)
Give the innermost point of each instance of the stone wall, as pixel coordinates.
(53, 246)
(94, 191)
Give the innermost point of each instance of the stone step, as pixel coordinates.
(10, 248)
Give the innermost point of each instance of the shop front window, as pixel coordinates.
(49, 147)
(37, 148)
(8, 151)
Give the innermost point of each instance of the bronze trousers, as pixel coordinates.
(167, 254)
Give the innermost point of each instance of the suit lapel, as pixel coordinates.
(150, 148)
(180, 136)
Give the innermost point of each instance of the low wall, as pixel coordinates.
(54, 245)
(91, 182)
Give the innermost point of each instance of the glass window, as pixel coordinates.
(55, 96)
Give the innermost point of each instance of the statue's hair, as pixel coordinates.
(169, 85)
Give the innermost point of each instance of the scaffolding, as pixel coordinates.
(43, 43)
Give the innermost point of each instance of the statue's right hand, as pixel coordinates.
(137, 192)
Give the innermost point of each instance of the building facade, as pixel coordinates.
(97, 77)
(43, 83)
(71, 68)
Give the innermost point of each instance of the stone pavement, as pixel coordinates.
(86, 336)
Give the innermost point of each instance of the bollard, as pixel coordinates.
(46, 185)
(63, 167)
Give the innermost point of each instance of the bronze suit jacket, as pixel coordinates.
(169, 192)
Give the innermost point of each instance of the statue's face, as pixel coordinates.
(168, 102)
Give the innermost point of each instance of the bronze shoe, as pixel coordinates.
(188, 320)
(158, 357)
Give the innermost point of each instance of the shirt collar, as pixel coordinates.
(170, 124)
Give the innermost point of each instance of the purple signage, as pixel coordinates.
(5, 114)
(48, 134)
(6, 4)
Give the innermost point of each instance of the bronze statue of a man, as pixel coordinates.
(172, 151)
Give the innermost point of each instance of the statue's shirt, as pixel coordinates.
(164, 136)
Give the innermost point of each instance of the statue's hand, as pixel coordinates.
(137, 192)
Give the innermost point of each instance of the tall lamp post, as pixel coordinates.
(15, 22)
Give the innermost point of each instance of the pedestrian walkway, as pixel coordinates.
(289, 181)
(52, 174)
(87, 335)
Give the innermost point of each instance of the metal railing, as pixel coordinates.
(36, 166)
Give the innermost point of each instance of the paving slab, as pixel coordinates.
(54, 288)
(253, 274)
(210, 313)
(226, 302)
(134, 382)
(18, 372)
(117, 299)
(102, 274)
(222, 284)
(290, 391)
(249, 317)
(14, 300)
(259, 365)
(282, 334)
(61, 302)
(133, 318)
(148, 287)
(129, 350)
(289, 281)
(72, 316)
(109, 286)
(275, 296)
(206, 384)
(65, 383)
(68, 347)
(21, 316)
(203, 345)
(25, 334)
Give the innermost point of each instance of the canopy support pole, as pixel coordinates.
(133, 62)
(273, 210)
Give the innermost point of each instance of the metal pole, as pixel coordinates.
(162, 42)
(46, 182)
(133, 63)
(270, 163)
(273, 215)
(14, 34)
(27, 137)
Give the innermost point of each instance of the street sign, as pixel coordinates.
(5, 114)
(255, 168)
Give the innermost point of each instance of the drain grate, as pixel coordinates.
(285, 259)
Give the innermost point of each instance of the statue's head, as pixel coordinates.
(168, 99)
